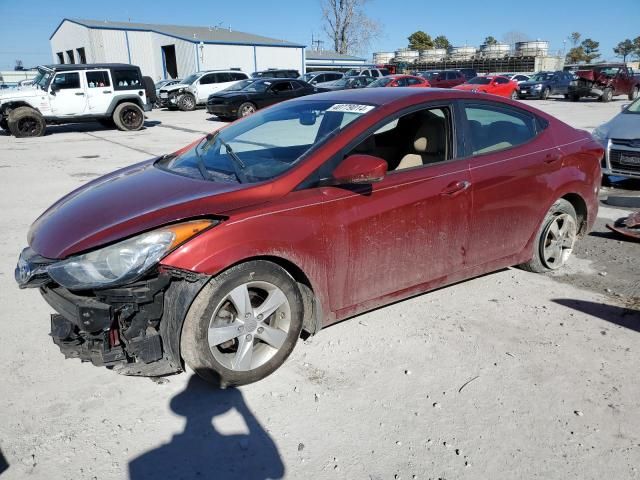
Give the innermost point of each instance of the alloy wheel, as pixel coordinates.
(249, 326)
(131, 118)
(247, 110)
(27, 126)
(559, 238)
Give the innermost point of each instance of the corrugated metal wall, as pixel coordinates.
(215, 57)
(71, 36)
(110, 46)
(144, 55)
(275, 57)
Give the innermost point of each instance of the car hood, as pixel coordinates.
(176, 86)
(20, 92)
(228, 95)
(530, 83)
(129, 201)
(624, 125)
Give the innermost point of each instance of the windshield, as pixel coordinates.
(541, 77)
(480, 81)
(42, 78)
(634, 107)
(381, 82)
(265, 144)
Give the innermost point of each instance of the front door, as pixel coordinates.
(99, 90)
(410, 228)
(67, 94)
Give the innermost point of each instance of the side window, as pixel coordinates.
(416, 139)
(66, 80)
(126, 79)
(413, 81)
(320, 78)
(501, 81)
(238, 76)
(334, 76)
(223, 77)
(493, 129)
(98, 79)
(282, 87)
(297, 85)
(451, 76)
(208, 79)
(375, 73)
(402, 82)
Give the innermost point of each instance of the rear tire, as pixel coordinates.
(633, 94)
(224, 325)
(607, 95)
(26, 122)
(186, 102)
(555, 240)
(128, 117)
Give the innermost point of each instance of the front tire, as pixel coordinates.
(128, 117)
(246, 109)
(633, 94)
(26, 122)
(555, 239)
(545, 93)
(514, 95)
(243, 325)
(186, 102)
(607, 95)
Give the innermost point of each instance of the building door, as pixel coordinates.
(169, 61)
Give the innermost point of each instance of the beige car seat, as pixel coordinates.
(429, 145)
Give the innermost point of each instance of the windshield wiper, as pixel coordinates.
(232, 154)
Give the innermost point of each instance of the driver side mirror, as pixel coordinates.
(54, 88)
(360, 169)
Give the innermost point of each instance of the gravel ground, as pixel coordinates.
(511, 375)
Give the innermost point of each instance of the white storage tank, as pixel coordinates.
(383, 57)
(496, 50)
(463, 52)
(537, 48)
(406, 55)
(432, 54)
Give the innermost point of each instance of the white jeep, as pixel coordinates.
(112, 94)
(196, 88)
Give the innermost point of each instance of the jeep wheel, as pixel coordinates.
(187, 102)
(128, 116)
(607, 95)
(633, 94)
(26, 122)
(545, 93)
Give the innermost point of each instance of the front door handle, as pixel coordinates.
(455, 188)
(79, 93)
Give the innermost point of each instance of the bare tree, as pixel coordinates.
(348, 26)
(512, 37)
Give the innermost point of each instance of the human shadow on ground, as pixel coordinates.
(4, 465)
(202, 452)
(623, 316)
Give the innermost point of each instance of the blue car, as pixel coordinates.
(544, 84)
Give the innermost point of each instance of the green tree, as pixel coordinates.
(575, 38)
(443, 42)
(420, 41)
(575, 55)
(490, 40)
(590, 48)
(624, 49)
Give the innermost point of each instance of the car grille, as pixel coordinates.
(634, 142)
(627, 160)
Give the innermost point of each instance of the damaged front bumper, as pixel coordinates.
(134, 329)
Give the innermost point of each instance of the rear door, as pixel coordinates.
(512, 157)
(502, 86)
(68, 95)
(99, 91)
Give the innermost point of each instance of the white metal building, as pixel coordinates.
(170, 51)
(328, 60)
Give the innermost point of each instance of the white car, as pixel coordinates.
(112, 94)
(196, 88)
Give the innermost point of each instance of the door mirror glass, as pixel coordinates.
(360, 169)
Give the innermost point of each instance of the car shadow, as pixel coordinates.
(201, 451)
(4, 465)
(623, 316)
(90, 127)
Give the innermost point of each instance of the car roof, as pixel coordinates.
(87, 66)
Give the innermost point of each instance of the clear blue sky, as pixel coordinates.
(25, 26)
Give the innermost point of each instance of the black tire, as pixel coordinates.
(246, 109)
(633, 94)
(107, 123)
(186, 102)
(514, 95)
(574, 97)
(538, 264)
(194, 340)
(225, 119)
(4, 124)
(128, 117)
(606, 96)
(545, 93)
(566, 96)
(26, 122)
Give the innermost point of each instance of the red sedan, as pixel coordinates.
(400, 81)
(220, 255)
(496, 85)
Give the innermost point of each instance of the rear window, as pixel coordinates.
(126, 79)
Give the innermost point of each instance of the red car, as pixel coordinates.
(496, 85)
(400, 81)
(317, 209)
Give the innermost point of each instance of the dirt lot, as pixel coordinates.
(512, 375)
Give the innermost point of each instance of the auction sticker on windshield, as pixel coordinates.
(350, 108)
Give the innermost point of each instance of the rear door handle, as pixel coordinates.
(455, 188)
(106, 91)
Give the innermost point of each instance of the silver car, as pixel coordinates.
(621, 138)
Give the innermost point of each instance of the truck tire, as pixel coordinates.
(633, 94)
(26, 122)
(186, 102)
(128, 116)
(607, 95)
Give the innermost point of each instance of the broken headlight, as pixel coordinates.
(125, 261)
